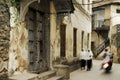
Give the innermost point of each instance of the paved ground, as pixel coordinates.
(96, 73)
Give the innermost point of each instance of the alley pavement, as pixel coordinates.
(96, 73)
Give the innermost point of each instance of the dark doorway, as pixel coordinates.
(93, 47)
(63, 40)
(37, 55)
(88, 36)
(74, 42)
(82, 38)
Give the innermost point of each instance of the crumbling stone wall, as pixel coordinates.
(115, 43)
(18, 43)
(4, 38)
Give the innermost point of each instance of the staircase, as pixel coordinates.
(101, 47)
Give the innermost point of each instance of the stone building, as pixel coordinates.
(4, 38)
(106, 26)
(44, 33)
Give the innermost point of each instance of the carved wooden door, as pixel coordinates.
(37, 56)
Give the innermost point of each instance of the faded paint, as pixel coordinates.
(13, 16)
(97, 39)
(18, 44)
(115, 20)
(54, 36)
(80, 19)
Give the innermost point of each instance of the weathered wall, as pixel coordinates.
(18, 43)
(4, 38)
(19, 37)
(107, 15)
(97, 39)
(19, 57)
(115, 17)
(79, 20)
(115, 21)
(83, 3)
(54, 37)
(114, 42)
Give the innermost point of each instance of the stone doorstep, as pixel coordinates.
(56, 78)
(46, 75)
(23, 76)
(30, 76)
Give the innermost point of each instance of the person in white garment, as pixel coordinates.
(89, 56)
(82, 59)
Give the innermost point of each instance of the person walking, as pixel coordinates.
(89, 56)
(82, 59)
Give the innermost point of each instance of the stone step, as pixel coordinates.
(46, 75)
(23, 76)
(30, 76)
(56, 78)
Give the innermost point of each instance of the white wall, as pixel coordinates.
(85, 5)
(115, 17)
(79, 20)
(100, 14)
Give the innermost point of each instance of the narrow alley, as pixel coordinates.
(47, 39)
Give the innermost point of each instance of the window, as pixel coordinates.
(88, 4)
(83, 2)
(88, 40)
(63, 40)
(82, 38)
(94, 16)
(118, 11)
(74, 42)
